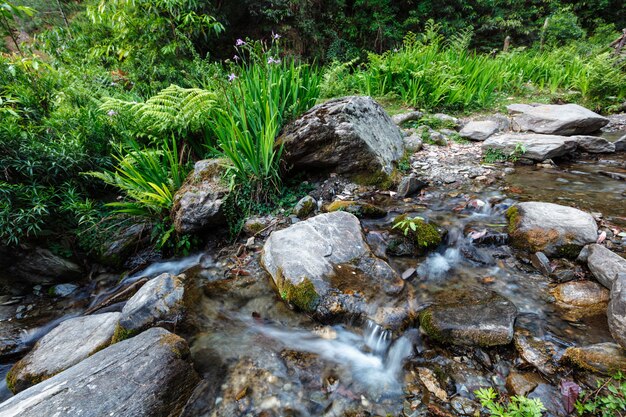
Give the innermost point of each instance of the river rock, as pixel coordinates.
(410, 185)
(470, 318)
(149, 375)
(158, 303)
(402, 118)
(349, 135)
(604, 358)
(594, 144)
(40, 266)
(413, 143)
(563, 119)
(603, 263)
(578, 299)
(550, 228)
(479, 130)
(620, 144)
(305, 206)
(323, 266)
(359, 209)
(537, 147)
(533, 349)
(198, 203)
(616, 312)
(522, 383)
(66, 345)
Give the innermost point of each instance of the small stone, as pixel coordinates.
(541, 262)
(63, 290)
(402, 118)
(408, 273)
(617, 310)
(479, 130)
(429, 380)
(522, 383)
(305, 207)
(410, 185)
(603, 263)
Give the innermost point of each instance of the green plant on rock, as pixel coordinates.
(518, 406)
(492, 155)
(608, 400)
(424, 234)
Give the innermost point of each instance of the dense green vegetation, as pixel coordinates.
(107, 107)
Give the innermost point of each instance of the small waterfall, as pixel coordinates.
(174, 267)
(376, 337)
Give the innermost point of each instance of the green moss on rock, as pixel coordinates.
(512, 215)
(25, 380)
(378, 179)
(360, 210)
(425, 234)
(121, 333)
(302, 295)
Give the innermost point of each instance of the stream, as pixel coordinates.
(239, 323)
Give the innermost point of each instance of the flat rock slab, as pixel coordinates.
(616, 312)
(66, 345)
(537, 147)
(604, 358)
(479, 130)
(149, 375)
(550, 228)
(324, 266)
(349, 135)
(603, 263)
(471, 318)
(578, 299)
(594, 144)
(563, 119)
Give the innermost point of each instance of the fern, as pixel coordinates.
(173, 110)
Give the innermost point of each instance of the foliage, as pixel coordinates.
(9, 12)
(562, 28)
(608, 400)
(408, 224)
(518, 406)
(492, 155)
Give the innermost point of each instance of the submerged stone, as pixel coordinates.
(550, 228)
(470, 318)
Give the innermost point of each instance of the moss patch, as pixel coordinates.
(426, 323)
(302, 295)
(17, 380)
(360, 210)
(512, 215)
(121, 333)
(378, 179)
(425, 234)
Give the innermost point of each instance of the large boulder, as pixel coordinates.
(160, 302)
(324, 266)
(149, 375)
(603, 263)
(40, 266)
(536, 147)
(198, 203)
(349, 135)
(66, 345)
(479, 130)
(550, 228)
(470, 318)
(594, 144)
(616, 313)
(564, 119)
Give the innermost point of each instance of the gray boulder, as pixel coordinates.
(349, 135)
(550, 228)
(620, 144)
(160, 302)
(479, 130)
(603, 263)
(198, 203)
(66, 345)
(149, 375)
(536, 147)
(470, 318)
(554, 119)
(594, 144)
(324, 266)
(41, 266)
(616, 313)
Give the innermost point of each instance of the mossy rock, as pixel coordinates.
(425, 236)
(602, 358)
(360, 210)
(121, 334)
(302, 295)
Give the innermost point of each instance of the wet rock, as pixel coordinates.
(551, 399)
(416, 233)
(615, 175)
(323, 266)
(305, 206)
(198, 203)
(469, 318)
(479, 130)
(522, 383)
(65, 346)
(464, 406)
(603, 263)
(537, 147)
(147, 376)
(564, 119)
(550, 228)
(620, 144)
(349, 135)
(429, 380)
(594, 144)
(604, 358)
(62, 290)
(580, 299)
(410, 185)
(402, 118)
(40, 266)
(541, 262)
(534, 350)
(158, 303)
(413, 143)
(359, 209)
(492, 238)
(617, 310)
(126, 242)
